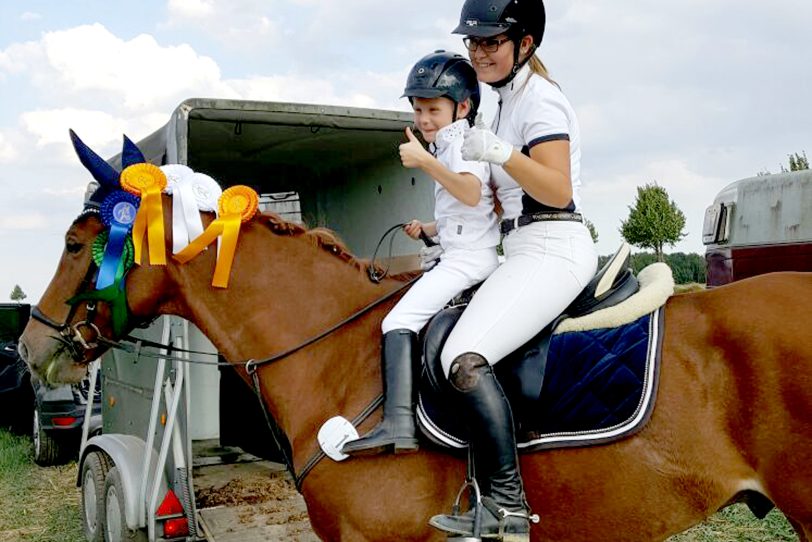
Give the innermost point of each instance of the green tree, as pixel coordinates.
(17, 294)
(797, 162)
(654, 220)
(592, 231)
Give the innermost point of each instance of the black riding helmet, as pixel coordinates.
(516, 18)
(442, 73)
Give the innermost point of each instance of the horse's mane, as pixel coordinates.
(327, 239)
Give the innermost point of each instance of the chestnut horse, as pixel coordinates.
(733, 419)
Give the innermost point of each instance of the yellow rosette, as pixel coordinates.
(236, 205)
(147, 181)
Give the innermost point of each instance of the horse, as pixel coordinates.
(733, 419)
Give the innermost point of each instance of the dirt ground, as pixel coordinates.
(251, 501)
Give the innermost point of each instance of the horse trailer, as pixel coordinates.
(759, 225)
(164, 419)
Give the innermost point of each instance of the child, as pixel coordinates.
(443, 90)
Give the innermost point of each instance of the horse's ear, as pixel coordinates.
(131, 154)
(95, 164)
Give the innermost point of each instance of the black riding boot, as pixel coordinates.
(492, 435)
(397, 430)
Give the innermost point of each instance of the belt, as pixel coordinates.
(511, 224)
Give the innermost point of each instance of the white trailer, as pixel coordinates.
(164, 420)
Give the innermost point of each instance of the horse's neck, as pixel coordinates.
(282, 292)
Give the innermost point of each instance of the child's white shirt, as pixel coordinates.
(460, 225)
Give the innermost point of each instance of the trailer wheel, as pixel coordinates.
(115, 522)
(47, 451)
(94, 471)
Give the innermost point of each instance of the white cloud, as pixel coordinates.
(192, 9)
(96, 128)
(10, 223)
(238, 24)
(8, 152)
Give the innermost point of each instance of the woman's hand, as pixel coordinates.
(412, 153)
(482, 145)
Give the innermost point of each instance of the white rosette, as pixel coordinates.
(191, 193)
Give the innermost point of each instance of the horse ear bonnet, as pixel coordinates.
(131, 154)
(105, 174)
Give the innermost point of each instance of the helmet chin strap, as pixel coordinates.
(517, 65)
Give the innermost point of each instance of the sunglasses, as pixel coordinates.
(489, 45)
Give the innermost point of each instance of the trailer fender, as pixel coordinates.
(127, 453)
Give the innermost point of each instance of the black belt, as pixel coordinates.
(511, 224)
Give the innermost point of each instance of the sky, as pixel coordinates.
(690, 94)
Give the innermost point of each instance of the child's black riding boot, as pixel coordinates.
(504, 512)
(396, 431)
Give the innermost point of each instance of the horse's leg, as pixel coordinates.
(382, 498)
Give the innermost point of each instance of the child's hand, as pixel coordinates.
(412, 153)
(413, 228)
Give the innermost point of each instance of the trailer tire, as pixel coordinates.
(47, 451)
(94, 472)
(115, 521)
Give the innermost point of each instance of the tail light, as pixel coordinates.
(171, 514)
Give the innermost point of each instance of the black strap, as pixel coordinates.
(509, 224)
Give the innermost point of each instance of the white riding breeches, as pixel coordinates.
(458, 269)
(547, 264)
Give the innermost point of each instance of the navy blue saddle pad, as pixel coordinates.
(570, 389)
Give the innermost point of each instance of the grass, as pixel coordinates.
(38, 504)
(42, 505)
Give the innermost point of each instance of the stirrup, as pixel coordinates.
(475, 504)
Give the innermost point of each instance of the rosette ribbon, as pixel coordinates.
(236, 205)
(191, 194)
(147, 181)
(118, 212)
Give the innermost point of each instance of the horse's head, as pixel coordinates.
(75, 320)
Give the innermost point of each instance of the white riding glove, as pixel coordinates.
(482, 145)
(429, 256)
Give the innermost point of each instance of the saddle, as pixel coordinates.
(594, 396)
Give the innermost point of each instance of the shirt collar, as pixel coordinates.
(515, 86)
(447, 134)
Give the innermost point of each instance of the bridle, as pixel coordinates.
(70, 335)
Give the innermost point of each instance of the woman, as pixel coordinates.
(533, 147)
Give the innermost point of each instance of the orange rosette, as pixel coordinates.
(147, 181)
(236, 205)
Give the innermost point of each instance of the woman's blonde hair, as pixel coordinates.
(538, 67)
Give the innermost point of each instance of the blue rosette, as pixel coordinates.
(118, 212)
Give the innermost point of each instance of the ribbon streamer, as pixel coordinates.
(118, 211)
(190, 195)
(147, 181)
(237, 204)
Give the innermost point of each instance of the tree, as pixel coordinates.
(654, 220)
(797, 162)
(592, 231)
(17, 294)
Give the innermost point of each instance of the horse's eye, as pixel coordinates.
(72, 247)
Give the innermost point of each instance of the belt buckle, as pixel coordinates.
(514, 224)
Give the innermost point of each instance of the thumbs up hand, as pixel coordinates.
(480, 144)
(412, 153)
